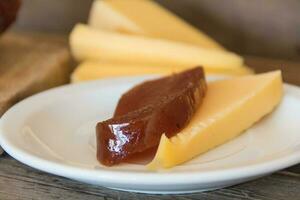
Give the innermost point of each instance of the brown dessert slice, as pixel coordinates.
(144, 113)
(8, 13)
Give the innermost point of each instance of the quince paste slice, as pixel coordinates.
(146, 112)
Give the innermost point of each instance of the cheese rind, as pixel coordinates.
(91, 70)
(87, 43)
(145, 17)
(229, 108)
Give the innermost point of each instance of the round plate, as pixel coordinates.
(54, 131)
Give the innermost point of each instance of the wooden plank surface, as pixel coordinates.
(18, 181)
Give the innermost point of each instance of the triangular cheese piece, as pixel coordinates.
(229, 108)
(145, 17)
(95, 44)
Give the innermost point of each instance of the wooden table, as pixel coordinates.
(18, 181)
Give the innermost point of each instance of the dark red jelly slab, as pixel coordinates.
(148, 110)
(8, 12)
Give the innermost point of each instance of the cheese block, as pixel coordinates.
(145, 17)
(87, 43)
(91, 70)
(229, 108)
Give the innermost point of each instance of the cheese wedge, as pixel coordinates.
(145, 17)
(91, 70)
(87, 43)
(229, 108)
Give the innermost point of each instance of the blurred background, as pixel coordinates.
(267, 28)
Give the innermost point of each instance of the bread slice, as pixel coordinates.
(31, 63)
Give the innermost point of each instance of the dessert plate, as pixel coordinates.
(54, 131)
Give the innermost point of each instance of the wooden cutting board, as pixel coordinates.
(30, 63)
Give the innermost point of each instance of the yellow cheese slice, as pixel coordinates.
(92, 44)
(145, 17)
(91, 70)
(229, 108)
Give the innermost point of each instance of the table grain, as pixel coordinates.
(18, 181)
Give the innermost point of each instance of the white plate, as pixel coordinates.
(54, 131)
